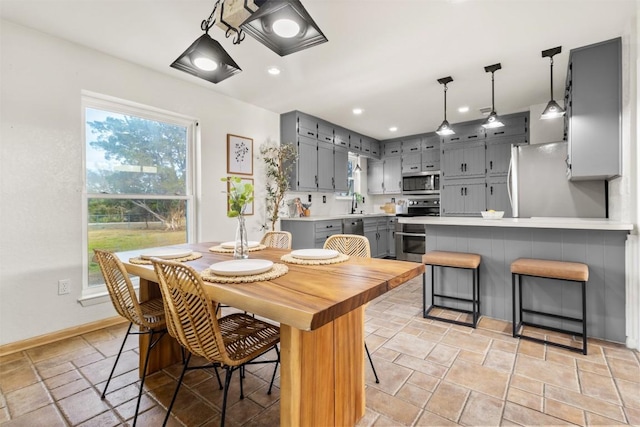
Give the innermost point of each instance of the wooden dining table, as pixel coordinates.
(320, 309)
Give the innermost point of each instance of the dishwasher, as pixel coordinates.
(353, 226)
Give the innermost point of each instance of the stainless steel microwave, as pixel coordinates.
(421, 183)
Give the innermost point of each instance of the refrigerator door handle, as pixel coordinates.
(512, 181)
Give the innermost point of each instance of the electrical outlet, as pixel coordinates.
(363, 200)
(309, 198)
(63, 287)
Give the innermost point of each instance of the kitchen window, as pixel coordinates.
(138, 181)
(353, 177)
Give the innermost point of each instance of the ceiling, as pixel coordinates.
(383, 56)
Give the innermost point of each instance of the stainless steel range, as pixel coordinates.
(410, 238)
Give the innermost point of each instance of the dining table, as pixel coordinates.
(320, 310)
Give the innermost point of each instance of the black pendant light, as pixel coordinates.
(445, 128)
(552, 110)
(206, 58)
(284, 26)
(492, 121)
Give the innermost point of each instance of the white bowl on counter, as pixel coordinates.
(492, 214)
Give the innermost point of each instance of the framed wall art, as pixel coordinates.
(239, 155)
(249, 209)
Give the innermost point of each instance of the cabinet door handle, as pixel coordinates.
(311, 134)
(414, 167)
(461, 167)
(461, 191)
(429, 166)
(465, 191)
(465, 167)
(327, 138)
(472, 136)
(333, 182)
(316, 180)
(413, 149)
(491, 164)
(491, 190)
(498, 133)
(428, 147)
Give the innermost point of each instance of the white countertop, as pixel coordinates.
(331, 217)
(535, 222)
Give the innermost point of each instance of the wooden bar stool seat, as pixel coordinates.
(461, 260)
(549, 269)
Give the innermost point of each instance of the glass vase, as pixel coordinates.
(241, 248)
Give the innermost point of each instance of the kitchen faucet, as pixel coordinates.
(354, 203)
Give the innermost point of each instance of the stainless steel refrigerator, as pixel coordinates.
(538, 185)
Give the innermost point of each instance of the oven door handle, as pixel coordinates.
(401, 233)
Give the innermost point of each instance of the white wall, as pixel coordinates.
(41, 172)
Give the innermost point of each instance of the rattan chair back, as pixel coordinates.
(123, 295)
(349, 244)
(277, 239)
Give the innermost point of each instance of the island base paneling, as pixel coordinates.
(602, 251)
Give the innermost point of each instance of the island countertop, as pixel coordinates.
(535, 222)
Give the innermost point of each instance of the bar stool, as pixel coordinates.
(561, 270)
(459, 260)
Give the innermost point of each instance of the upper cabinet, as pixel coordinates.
(593, 101)
(323, 150)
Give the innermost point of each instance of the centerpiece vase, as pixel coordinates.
(241, 248)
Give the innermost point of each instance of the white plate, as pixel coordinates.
(241, 267)
(231, 245)
(168, 253)
(314, 253)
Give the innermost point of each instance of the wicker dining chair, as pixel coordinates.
(148, 316)
(230, 342)
(277, 239)
(353, 245)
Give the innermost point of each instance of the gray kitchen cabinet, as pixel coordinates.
(497, 196)
(392, 175)
(465, 132)
(375, 176)
(431, 141)
(341, 137)
(392, 149)
(340, 165)
(594, 111)
(310, 234)
(306, 165)
(325, 132)
(306, 126)
(365, 146)
(384, 176)
(355, 143)
(375, 149)
(514, 124)
(430, 160)
(411, 163)
(461, 160)
(325, 167)
(463, 198)
(376, 230)
(391, 236)
(411, 146)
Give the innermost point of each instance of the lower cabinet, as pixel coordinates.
(376, 230)
(463, 197)
(310, 234)
(391, 236)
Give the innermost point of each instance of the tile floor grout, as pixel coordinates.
(431, 373)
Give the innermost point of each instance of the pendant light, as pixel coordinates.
(492, 121)
(284, 26)
(552, 110)
(445, 129)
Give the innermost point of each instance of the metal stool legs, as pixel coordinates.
(475, 301)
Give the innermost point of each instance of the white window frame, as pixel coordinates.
(99, 294)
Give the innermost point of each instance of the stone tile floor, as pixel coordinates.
(431, 373)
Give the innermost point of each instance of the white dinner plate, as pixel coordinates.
(231, 245)
(314, 254)
(166, 253)
(241, 267)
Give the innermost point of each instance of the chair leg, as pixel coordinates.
(144, 372)
(175, 393)
(117, 358)
(227, 382)
(273, 377)
(215, 368)
(375, 374)
(241, 368)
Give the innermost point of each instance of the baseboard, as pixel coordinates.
(59, 335)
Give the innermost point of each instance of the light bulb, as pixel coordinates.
(286, 28)
(205, 64)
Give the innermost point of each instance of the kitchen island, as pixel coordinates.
(599, 243)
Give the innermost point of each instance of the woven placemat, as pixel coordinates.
(222, 250)
(194, 255)
(292, 260)
(276, 271)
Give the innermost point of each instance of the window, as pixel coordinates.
(353, 176)
(138, 180)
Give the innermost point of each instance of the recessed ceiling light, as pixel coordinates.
(393, 129)
(464, 109)
(358, 111)
(274, 71)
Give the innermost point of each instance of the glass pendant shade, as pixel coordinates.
(207, 59)
(284, 26)
(552, 110)
(493, 121)
(445, 128)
